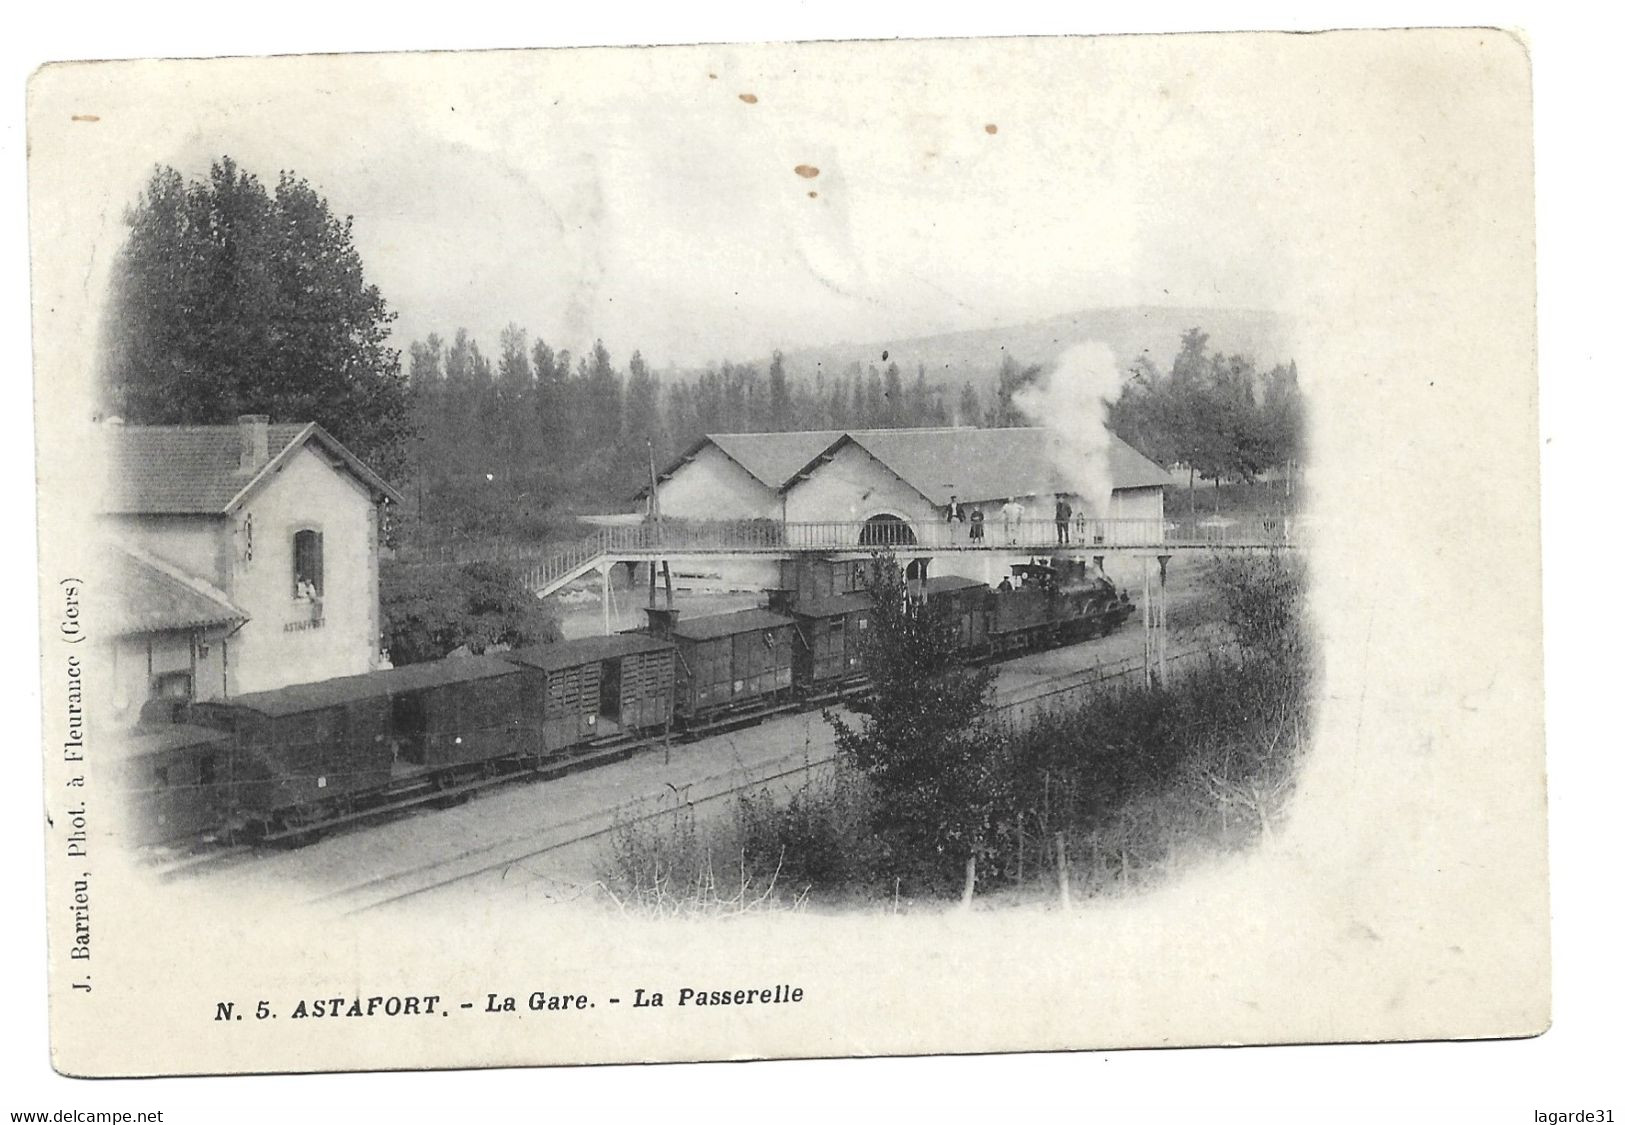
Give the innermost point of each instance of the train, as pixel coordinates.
(288, 764)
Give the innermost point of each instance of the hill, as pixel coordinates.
(974, 355)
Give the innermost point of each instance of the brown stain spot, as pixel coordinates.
(711, 76)
(991, 128)
(86, 117)
(748, 99)
(812, 195)
(806, 171)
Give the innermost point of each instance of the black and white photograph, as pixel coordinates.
(788, 550)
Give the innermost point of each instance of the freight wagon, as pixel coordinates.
(599, 687)
(171, 779)
(728, 664)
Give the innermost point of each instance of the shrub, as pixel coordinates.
(431, 610)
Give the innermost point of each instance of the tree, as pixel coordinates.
(778, 395)
(228, 299)
(970, 406)
(430, 611)
(933, 765)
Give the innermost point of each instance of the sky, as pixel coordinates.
(705, 203)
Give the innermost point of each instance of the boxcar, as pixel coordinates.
(175, 781)
(815, 576)
(728, 662)
(829, 638)
(310, 749)
(965, 601)
(598, 686)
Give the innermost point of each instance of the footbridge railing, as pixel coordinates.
(546, 568)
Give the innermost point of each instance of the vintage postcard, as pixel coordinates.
(786, 550)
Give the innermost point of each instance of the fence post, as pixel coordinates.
(1021, 848)
(1061, 869)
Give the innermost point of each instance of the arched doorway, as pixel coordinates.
(886, 530)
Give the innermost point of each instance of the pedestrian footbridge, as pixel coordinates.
(547, 569)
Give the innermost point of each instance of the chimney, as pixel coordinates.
(254, 441)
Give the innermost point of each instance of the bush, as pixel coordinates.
(431, 610)
(768, 855)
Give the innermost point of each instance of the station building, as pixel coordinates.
(236, 558)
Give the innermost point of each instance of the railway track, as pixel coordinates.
(385, 890)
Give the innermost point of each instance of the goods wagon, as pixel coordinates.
(829, 638)
(728, 662)
(307, 751)
(964, 601)
(175, 781)
(600, 686)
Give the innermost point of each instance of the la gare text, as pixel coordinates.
(495, 1003)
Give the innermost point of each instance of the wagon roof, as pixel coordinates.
(729, 624)
(948, 583)
(586, 650)
(834, 605)
(372, 685)
(169, 736)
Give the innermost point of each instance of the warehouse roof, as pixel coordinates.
(195, 470)
(979, 465)
(152, 596)
(974, 464)
(729, 624)
(298, 698)
(568, 654)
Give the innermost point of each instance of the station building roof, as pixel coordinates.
(197, 470)
(153, 596)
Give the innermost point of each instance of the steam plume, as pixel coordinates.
(1071, 402)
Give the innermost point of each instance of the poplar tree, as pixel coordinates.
(229, 299)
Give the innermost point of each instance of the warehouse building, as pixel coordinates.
(855, 475)
(906, 480)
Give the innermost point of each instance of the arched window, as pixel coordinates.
(886, 530)
(307, 564)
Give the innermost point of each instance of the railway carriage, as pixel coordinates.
(729, 662)
(829, 639)
(965, 602)
(311, 751)
(175, 779)
(597, 687)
